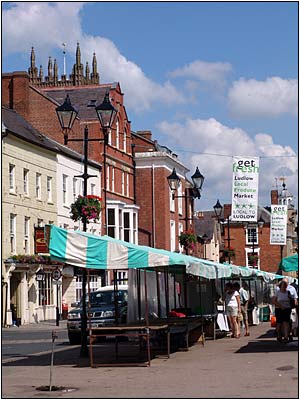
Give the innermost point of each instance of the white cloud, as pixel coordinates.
(211, 72)
(272, 97)
(220, 143)
(40, 25)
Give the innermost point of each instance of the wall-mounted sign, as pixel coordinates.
(40, 245)
(245, 188)
(278, 224)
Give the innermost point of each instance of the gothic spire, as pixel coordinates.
(55, 70)
(32, 58)
(41, 74)
(78, 55)
(87, 71)
(50, 68)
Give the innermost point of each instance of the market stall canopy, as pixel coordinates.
(85, 250)
(289, 264)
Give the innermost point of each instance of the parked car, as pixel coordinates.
(101, 310)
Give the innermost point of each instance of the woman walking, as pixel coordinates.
(282, 312)
(232, 308)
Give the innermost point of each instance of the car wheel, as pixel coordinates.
(74, 337)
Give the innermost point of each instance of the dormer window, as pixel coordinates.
(92, 103)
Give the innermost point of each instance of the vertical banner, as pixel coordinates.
(278, 224)
(245, 188)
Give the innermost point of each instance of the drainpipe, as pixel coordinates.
(153, 210)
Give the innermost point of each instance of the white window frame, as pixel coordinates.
(12, 233)
(127, 185)
(93, 188)
(124, 141)
(172, 201)
(12, 178)
(117, 133)
(26, 235)
(49, 189)
(38, 189)
(123, 183)
(249, 252)
(172, 236)
(78, 285)
(179, 193)
(74, 188)
(107, 177)
(112, 179)
(26, 181)
(45, 290)
(65, 189)
(114, 225)
(250, 233)
(180, 230)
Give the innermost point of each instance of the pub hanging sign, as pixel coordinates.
(40, 245)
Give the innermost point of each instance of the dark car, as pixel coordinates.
(101, 311)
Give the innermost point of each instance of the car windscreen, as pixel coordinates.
(107, 297)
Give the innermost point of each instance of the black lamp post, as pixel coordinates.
(106, 114)
(204, 239)
(174, 182)
(251, 225)
(218, 212)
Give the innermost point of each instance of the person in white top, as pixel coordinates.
(244, 295)
(232, 307)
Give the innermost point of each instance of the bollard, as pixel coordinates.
(54, 336)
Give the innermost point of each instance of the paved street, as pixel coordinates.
(249, 367)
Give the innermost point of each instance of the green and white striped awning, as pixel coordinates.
(85, 250)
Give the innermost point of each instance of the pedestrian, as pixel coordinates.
(244, 296)
(232, 307)
(239, 317)
(281, 300)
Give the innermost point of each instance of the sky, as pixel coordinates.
(211, 80)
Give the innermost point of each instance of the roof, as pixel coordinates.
(19, 127)
(205, 224)
(83, 98)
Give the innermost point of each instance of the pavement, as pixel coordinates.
(255, 366)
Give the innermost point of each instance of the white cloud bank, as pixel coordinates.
(220, 143)
(47, 25)
(210, 72)
(272, 97)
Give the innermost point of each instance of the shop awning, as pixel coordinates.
(289, 264)
(85, 250)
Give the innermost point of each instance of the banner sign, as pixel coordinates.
(40, 245)
(278, 224)
(245, 188)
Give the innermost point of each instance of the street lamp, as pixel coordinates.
(106, 114)
(174, 182)
(250, 225)
(218, 212)
(204, 240)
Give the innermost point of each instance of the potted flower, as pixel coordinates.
(253, 259)
(187, 239)
(229, 252)
(86, 208)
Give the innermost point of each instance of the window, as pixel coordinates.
(93, 187)
(112, 179)
(93, 285)
(109, 137)
(172, 201)
(122, 278)
(252, 258)
(74, 189)
(38, 185)
(12, 231)
(107, 177)
(64, 188)
(180, 199)
(12, 178)
(26, 235)
(135, 230)
(172, 236)
(180, 230)
(117, 134)
(49, 188)
(111, 222)
(45, 290)
(127, 185)
(124, 140)
(126, 226)
(251, 236)
(40, 222)
(123, 183)
(25, 181)
(120, 224)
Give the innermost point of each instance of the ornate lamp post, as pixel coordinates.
(218, 212)
(174, 182)
(106, 114)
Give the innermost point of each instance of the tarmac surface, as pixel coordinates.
(250, 367)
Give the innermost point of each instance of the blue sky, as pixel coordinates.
(211, 80)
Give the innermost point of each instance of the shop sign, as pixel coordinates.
(41, 246)
(245, 188)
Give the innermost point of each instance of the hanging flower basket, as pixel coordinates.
(187, 239)
(253, 259)
(229, 252)
(86, 208)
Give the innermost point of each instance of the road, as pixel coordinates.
(250, 367)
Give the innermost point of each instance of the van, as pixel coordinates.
(101, 311)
